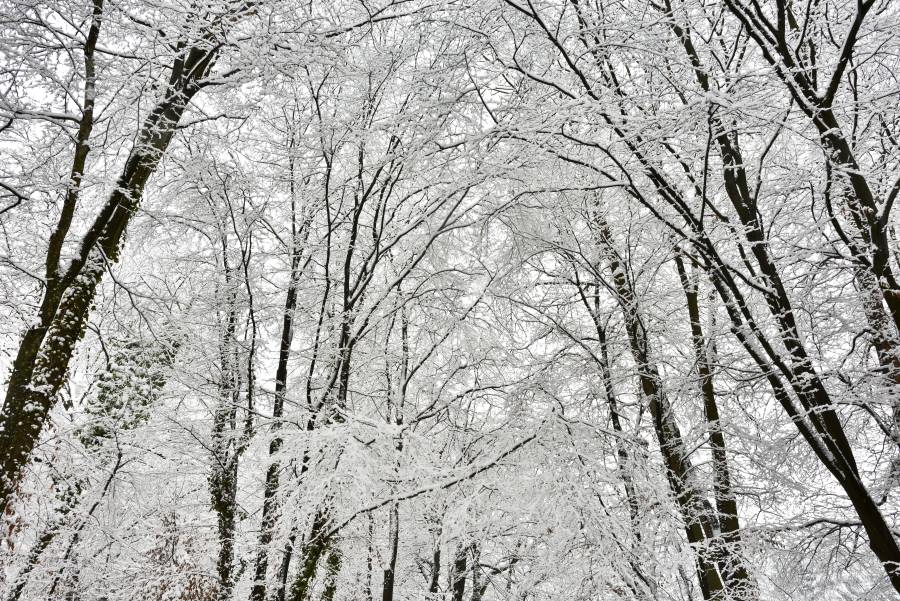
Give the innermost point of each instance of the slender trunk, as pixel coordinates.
(737, 578)
(395, 416)
(34, 555)
(698, 517)
(370, 557)
(76, 538)
(24, 364)
(284, 568)
(229, 438)
(49, 534)
(624, 457)
(387, 591)
(624, 462)
(223, 473)
(434, 582)
(269, 510)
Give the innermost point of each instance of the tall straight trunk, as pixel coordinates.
(284, 567)
(223, 492)
(269, 509)
(699, 522)
(225, 506)
(434, 581)
(370, 556)
(624, 457)
(395, 416)
(227, 444)
(477, 587)
(41, 364)
(458, 573)
(737, 578)
(318, 543)
(387, 589)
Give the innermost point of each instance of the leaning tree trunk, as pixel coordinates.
(42, 361)
(817, 419)
(316, 545)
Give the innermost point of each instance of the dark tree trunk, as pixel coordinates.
(815, 416)
(42, 361)
(822, 428)
(332, 571)
(284, 568)
(387, 590)
(737, 578)
(458, 573)
(434, 582)
(315, 546)
(477, 587)
(269, 510)
(698, 516)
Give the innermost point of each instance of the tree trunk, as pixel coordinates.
(695, 510)
(458, 573)
(332, 571)
(313, 549)
(42, 361)
(624, 462)
(269, 510)
(434, 583)
(731, 564)
(477, 586)
(284, 567)
(387, 590)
